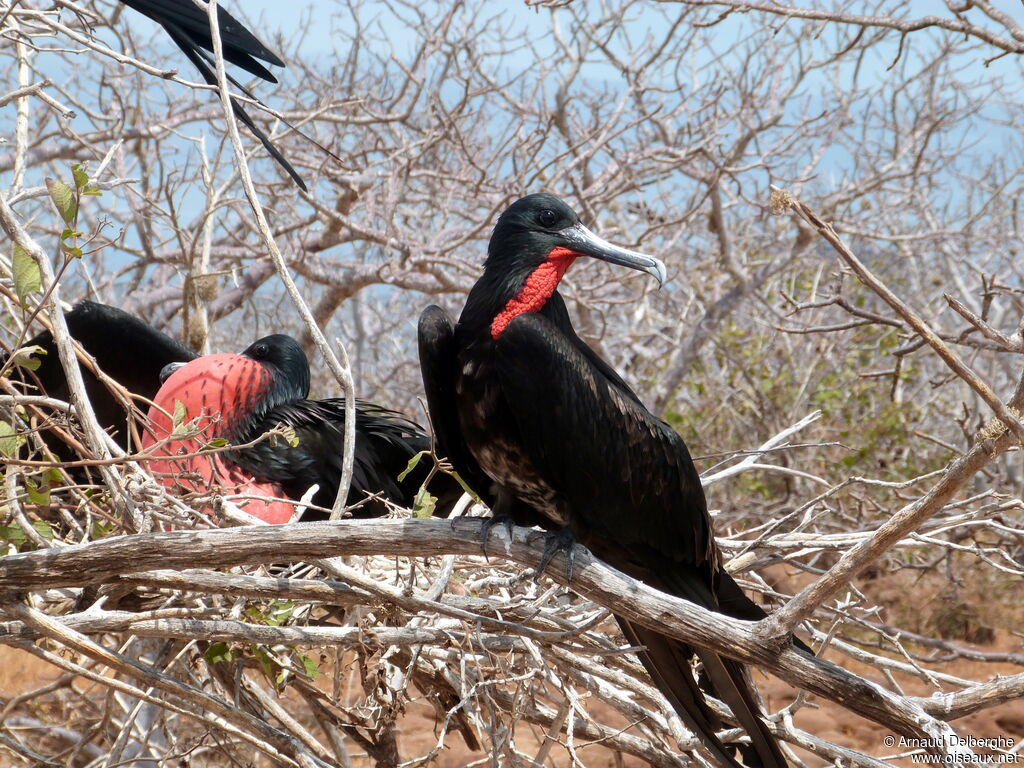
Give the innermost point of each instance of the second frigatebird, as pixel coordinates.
(543, 428)
(134, 354)
(241, 397)
(124, 347)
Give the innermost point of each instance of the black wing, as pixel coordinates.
(438, 361)
(241, 47)
(385, 443)
(188, 26)
(125, 348)
(627, 475)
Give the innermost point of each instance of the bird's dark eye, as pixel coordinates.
(260, 350)
(547, 217)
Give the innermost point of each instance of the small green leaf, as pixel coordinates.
(26, 272)
(44, 529)
(69, 233)
(288, 433)
(411, 465)
(23, 357)
(9, 441)
(424, 503)
(279, 612)
(81, 177)
(266, 663)
(465, 487)
(312, 670)
(12, 534)
(101, 529)
(217, 442)
(73, 252)
(178, 428)
(63, 198)
(92, 190)
(36, 494)
(217, 653)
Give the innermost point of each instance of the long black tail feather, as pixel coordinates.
(668, 663)
(188, 27)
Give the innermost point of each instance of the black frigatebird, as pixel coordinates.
(134, 354)
(541, 427)
(124, 347)
(189, 27)
(241, 397)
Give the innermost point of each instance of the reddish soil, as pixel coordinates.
(916, 606)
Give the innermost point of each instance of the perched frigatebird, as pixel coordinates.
(189, 27)
(134, 354)
(241, 397)
(544, 429)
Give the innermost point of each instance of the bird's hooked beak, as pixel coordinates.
(167, 370)
(582, 240)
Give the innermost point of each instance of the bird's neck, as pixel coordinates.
(279, 392)
(496, 300)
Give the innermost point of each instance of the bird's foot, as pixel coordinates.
(496, 518)
(563, 541)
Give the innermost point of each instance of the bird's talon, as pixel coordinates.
(559, 541)
(489, 523)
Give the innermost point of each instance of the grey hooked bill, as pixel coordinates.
(581, 239)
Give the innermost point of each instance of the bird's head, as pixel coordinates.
(288, 366)
(234, 389)
(534, 242)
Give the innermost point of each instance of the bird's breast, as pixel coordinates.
(492, 435)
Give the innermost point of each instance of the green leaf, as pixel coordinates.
(217, 442)
(92, 190)
(178, 428)
(312, 670)
(278, 612)
(10, 442)
(266, 664)
(288, 433)
(424, 503)
(63, 198)
(465, 487)
(12, 534)
(411, 465)
(23, 357)
(69, 233)
(217, 653)
(26, 272)
(44, 529)
(73, 252)
(36, 494)
(81, 177)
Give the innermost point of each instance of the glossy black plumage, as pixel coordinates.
(189, 27)
(124, 347)
(385, 441)
(135, 354)
(543, 428)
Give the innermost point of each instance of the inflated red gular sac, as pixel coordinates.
(212, 397)
(242, 397)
